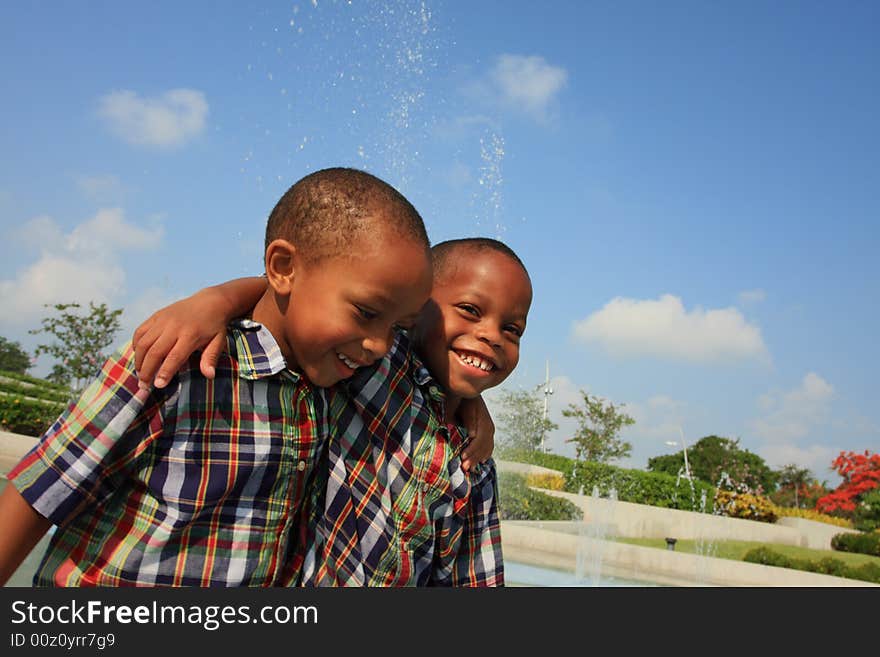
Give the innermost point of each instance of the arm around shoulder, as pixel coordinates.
(165, 340)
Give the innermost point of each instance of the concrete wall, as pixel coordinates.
(814, 534)
(640, 520)
(644, 521)
(555, 545)
(12, 448)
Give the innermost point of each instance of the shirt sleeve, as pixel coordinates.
(469, 553)
(92, 445)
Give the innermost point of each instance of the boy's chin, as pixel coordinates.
(324, 379)
(464, 391)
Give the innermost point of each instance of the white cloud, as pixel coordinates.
(788, 419)
(80, 266)
(101, 188)
(815, 458)
(790, 416)
(527, 82)
(663, 328)
(137, 310)
(163, 121)
(57, 279)
(107, 231)
(747, 297)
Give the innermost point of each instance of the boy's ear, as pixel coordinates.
(281, 260)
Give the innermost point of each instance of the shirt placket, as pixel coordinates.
(297, 462)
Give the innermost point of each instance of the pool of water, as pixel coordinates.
(520, 574)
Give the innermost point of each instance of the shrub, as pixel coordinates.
(24, 389)
(867, 514)
(862, 543)
(546, 480)
(829, 566)
(27, 416)
(734, 504)
(869, 572)
(519, 502)
(810, 514)
(768, 557)
(652, 488)
(42, 383)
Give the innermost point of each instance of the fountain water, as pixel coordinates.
(593, 533)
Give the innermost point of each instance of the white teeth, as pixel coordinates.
(476, 361)
(350, 363)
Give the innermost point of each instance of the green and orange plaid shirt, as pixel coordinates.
(201, 483)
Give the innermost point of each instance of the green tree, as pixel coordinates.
(795, 479)
(521, 424)
(13, 358)
(80, 341)
(712, 455)
(599, 425)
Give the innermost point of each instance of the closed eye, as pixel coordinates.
(516, 330)
(365, 313)
(469, 309)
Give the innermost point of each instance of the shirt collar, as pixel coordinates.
(423, 377)
(256, 350)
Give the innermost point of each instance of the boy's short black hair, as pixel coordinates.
(444, 255)
(323, 213)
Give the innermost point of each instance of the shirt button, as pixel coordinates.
(425, 488)
(301, 466)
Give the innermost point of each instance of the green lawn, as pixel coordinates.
(737, 550)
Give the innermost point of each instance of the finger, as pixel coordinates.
(142, 340)
(211, 354)
(141, 330)
(174, 360)
(153, 358)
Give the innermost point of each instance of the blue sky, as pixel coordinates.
(694, 186)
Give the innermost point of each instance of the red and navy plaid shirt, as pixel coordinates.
(399, 509)
(202, 483)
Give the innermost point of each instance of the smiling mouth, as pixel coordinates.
(478, 362)
(352, 365)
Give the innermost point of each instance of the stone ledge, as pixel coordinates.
(541, 544)
(12, 447)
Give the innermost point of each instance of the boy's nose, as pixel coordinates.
(489, 334)
(377, 346)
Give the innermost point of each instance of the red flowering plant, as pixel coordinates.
(860, 474)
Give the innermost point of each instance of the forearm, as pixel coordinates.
(21, 528)
(239, 295)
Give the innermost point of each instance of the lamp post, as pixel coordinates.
(547, 392)
(672, 443)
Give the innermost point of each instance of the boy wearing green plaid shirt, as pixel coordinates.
(401, 506)
(210, 481)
